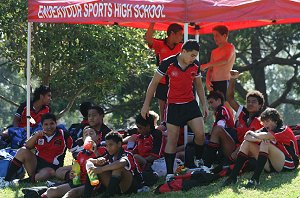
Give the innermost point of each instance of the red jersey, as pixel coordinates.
(180, 81)
(151, 144)
(104, 130)
(243, 123)
(85, 155)
(53, 149)
(163, 51)
(286, 141)
(223, 117)
(36, 115)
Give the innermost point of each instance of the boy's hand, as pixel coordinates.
(95, 170)
(209, 85)
(145, 111)
(39, 134)
(234, 74)
(72, 174)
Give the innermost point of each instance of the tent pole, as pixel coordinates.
(28, 76)
(186, 37)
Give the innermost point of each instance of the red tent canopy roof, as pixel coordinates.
(235, 14)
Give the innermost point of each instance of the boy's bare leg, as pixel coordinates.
(57, 191)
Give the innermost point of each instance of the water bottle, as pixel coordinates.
(88, 143)
(76, 169)
(93, 177)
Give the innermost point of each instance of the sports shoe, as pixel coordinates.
(198, 163)
(229, 181)
(169, 177)
(252, 184)
(3, 183)
(143, 189)
(206, 169)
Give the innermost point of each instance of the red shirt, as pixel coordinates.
(36, 115)
(223, 117)
(242, 125)
(286, 141)
(85, 155)
(53, 149)
(151, 144)
(180, 81)
(162, 51)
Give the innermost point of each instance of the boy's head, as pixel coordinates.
(95, 117)
(175, 32)
(113, 142)
(190, 51)
(271, 119)
(42, 93)
(254, 101)
(220, 34)
(89, 131)
(84, 108)
(144, 125)
(48, 121)
(215, 99)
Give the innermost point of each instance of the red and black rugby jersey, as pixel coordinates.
(243, 125)
(286, 141)
(152, 144)
(36, 115)
(83, 156)
(53, 149)
(180, 81)
(163, 51)
(223, 117)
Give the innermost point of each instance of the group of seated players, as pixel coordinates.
(119, 161)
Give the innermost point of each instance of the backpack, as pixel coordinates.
(6, 155)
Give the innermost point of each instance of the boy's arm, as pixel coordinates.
(30, 143)
(149, 34)
(230, 52)
(253, 136)
(208, 80)
(150, 93)
(122, 163)
(230, 91)
(200, 92)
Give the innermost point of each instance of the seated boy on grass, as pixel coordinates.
(149, 143)
(117, 170)
(70, 189)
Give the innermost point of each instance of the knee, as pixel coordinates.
(216, 130)
(51, 192)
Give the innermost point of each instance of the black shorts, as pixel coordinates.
(220, 86)
(41, 163)
(161, 92)
(233, 134)
(180, 114)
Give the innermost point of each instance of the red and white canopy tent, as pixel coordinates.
(235, 14)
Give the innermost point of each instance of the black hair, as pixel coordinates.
(191, 45)
(114, 136)
(222, 29)
(48, 116)
(144, 122)
(258, 95)
(216, 95)
(174, 27)
(98, 109)
(41, 90)
(84, 108)
(272, 114)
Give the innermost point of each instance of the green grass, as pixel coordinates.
(274, 185)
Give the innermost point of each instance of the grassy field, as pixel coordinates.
(274, 185)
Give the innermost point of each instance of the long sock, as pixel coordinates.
(240, 161)
(88, 188)
(198, 150)
(113, 184)
(170, 158)
(260, 164)
(14, 166)
(210, 153)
